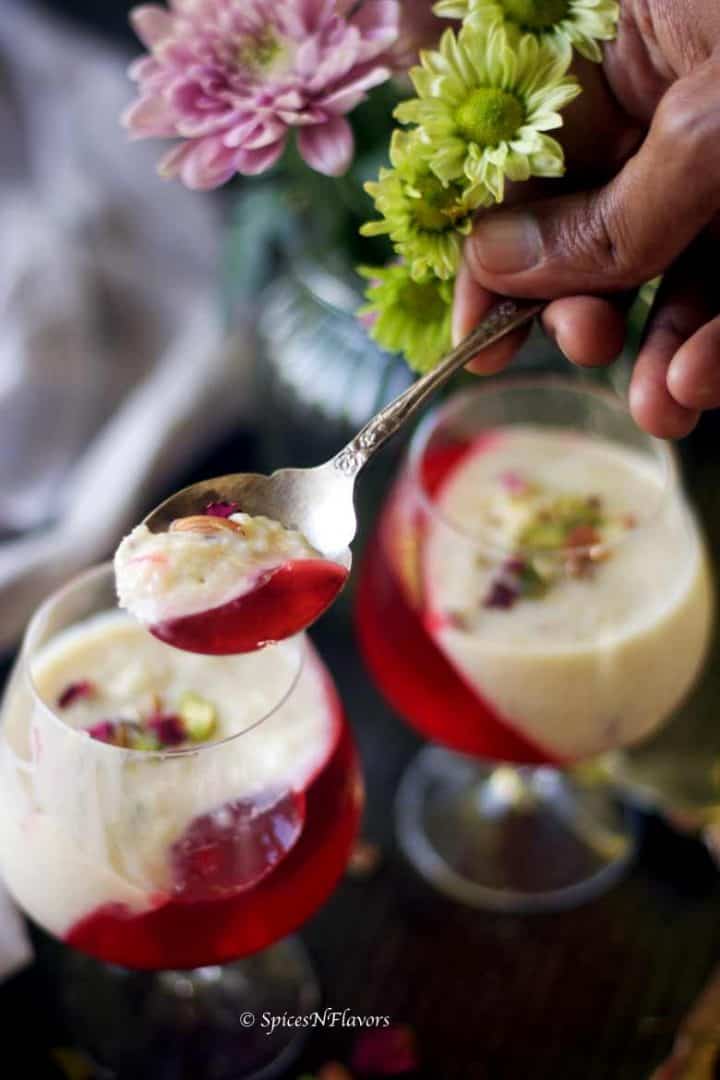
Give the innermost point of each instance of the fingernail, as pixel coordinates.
(507, 243)
(462, 315)
(556, 338)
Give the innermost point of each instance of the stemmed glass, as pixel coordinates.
(171, 866)
(536, 593)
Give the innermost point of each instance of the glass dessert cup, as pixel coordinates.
(177, 874)
(536, 594)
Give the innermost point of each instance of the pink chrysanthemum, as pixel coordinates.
(231, 77)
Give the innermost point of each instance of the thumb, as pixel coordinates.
(619, 236)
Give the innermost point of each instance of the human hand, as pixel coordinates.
(641, 198)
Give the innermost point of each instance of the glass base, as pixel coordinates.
(208, 1023)
(509, 839)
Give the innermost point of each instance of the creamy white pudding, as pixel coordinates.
(201, 563)
(84, 824)
(567, 587)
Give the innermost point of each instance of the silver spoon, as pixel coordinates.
(319, 502)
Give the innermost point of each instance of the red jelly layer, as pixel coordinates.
(221, 853)
(408, 667)
(284, 601)
(193, 934)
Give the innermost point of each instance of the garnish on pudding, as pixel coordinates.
(551, 668)
(224, 582)
(181, 862)
(152, 725)
(76, 691)
(551, 535)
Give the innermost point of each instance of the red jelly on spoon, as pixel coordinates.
(282, 602)
(273, 584)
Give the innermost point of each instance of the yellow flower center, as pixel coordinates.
(422, 299)
(433, 211)
(536, 14)
(489, 116)
(259, 52)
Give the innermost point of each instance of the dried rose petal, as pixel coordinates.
(156, 559)
(222, 509)
(501, 595)
(126, 734)
(514, 483)
(385, 1051)
(168, 728)
(104, 731)
(515, 566)
(76, 692)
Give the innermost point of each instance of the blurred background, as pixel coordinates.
(132, 311)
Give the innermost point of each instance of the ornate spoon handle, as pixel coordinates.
(507, 316)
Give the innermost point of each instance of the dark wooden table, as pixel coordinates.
(584, 995)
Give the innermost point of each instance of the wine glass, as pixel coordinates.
(536, 593)
(183, 869)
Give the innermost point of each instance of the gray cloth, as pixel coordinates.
(113, 372)
(113, 369)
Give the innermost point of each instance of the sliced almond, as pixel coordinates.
(205, 525)
(599, 553)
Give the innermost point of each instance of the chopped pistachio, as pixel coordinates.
(198, 715)
(543, 535)
(145, 740)
(574, 510)
(533, 585)
(546, 567)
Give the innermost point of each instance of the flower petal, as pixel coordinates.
(149, 117)
(253, 162)
(268, 133)
(327, 147)
(202, 164)
(378, 21)
(197, 83)
(351, 93)
(151, 23)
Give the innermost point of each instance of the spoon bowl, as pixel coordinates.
(318, 502)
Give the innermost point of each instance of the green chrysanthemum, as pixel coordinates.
(484, 106)
(584, 23)
(409, 316)
(425, 219)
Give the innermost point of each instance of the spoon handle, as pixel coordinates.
(505, 317)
